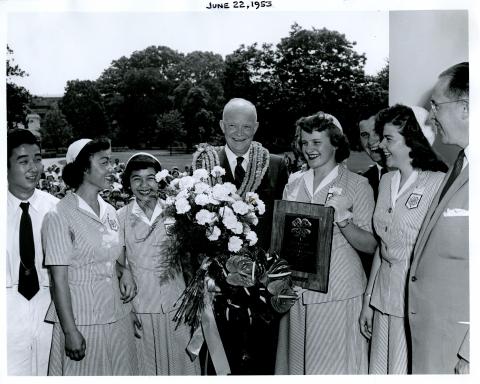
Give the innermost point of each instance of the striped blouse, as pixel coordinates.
(89, 245)
(147, 253)
(347, 278)
(397, 222)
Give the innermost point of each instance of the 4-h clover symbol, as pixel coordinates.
(301, 228)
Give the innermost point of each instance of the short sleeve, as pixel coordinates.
(291, 188)
(363, 205)
(57, 239)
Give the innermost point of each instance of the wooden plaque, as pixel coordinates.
(302, 235)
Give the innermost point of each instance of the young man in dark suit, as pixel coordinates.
(370, 140)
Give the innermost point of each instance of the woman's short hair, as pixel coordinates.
(73, 172)
(422, 155)
(137, 163)
(322, 122)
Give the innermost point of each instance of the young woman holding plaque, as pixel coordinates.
(93, 334)
(404, 198)
(162, 346)
(320, 333)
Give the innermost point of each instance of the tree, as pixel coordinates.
(82, 105)
(137, 89)
(55, 131)
(308, 71)
(170, 128)
(18, 97)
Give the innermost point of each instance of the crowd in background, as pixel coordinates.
(52, 182)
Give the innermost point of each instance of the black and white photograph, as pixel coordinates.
(149, 144)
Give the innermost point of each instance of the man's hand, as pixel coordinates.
(462, 367)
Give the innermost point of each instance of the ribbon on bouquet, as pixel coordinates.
(208, 331)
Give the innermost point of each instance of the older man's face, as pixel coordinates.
(448, 114)
(239, 125)
(370, 140)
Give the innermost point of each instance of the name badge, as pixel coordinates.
(333, 191)
(414, 199)
(112, 223)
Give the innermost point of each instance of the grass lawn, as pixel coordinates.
(358, 161)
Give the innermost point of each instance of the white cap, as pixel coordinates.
(421, 114)
(75, 148)
(143, 154)
(334, 121)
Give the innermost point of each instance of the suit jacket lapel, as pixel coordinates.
(436, 210)
(222, 157)
(373, 174)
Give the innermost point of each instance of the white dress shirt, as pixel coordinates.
(40, 203)
(467, 155)
(232, 159)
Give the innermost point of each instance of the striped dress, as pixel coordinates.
(397, 219)
(161, 350)
(74, 236)
(320, 333)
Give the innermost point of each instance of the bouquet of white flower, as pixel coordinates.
(214, 241)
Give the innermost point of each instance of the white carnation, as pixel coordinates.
(212, 200)
(201, 187)
(221, 192)
(218, 171)
(182, 206)
(238, 228)
(183, 194)
(230, 222)
(200, 174)
(252, 197)
(174, 183)
(231, 188)
(202, 199)
(170, 200)
(252, 218)
(159, 176)
(205, 217)
(240, 207)
(214, 233)
(260, 207)
(226, 212)
(186, 182)
(235, 244)
(252, 238)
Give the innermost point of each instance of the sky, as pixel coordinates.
(54, 47)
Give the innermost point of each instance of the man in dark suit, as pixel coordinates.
(438, 284)
(370, 141)
(249, 339)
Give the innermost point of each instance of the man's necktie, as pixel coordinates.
(27, 278)
(239, 172)
(457, 168)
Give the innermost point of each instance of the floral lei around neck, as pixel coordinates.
(206, 157)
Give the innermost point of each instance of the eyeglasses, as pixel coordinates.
(435, 105)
